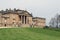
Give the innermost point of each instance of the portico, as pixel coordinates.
(23, 19)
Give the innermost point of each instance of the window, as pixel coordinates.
(13, 19)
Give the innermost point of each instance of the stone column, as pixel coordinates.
(21, 19)
(24, 19)
(27, 20)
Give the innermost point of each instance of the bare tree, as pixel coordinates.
(51, 23)
(57, 18)
(55, 21)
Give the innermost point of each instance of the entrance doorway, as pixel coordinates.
(5, 25)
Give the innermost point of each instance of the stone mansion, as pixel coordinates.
(20, 18)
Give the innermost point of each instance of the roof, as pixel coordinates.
(28, 13)
(24, 12)
(17, 11)
(38, 18)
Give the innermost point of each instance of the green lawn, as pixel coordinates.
(28, 34)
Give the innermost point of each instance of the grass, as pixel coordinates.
(28, 34)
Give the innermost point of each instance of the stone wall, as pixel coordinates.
(9, 19)
(38, 22)
(20, 18)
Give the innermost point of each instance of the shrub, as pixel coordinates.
(46, 27)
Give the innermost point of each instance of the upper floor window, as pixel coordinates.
(13, 19)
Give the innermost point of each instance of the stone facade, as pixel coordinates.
(39, 22)
(19, 18)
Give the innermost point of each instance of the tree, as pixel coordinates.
(51, 23)
(55, 21)
(57, 18)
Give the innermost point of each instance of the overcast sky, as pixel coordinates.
(39, 8)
